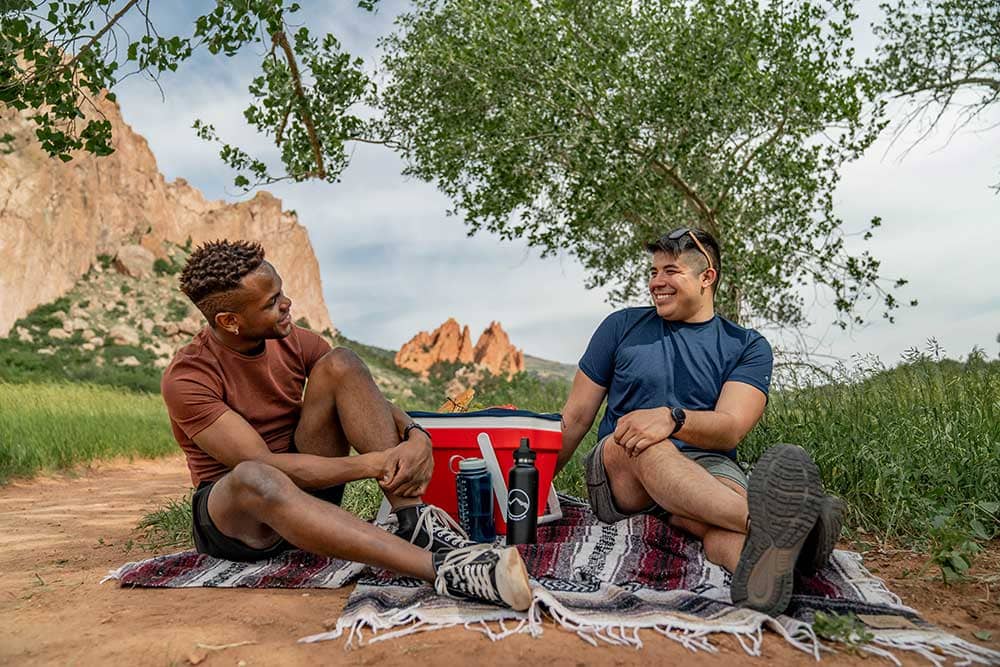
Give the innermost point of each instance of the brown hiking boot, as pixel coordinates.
(784, 499)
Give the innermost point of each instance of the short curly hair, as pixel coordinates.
(214, 271)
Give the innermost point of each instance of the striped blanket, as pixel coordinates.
(604, 582)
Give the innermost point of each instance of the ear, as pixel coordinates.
(228, 321)
(709, 277)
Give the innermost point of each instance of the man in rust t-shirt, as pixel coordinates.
(206, 379)
(267, 414)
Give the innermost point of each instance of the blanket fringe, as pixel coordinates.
(936, 650)
(116, 573)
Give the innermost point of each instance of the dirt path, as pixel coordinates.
(60, 535)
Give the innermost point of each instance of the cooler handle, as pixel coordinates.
(552, 506)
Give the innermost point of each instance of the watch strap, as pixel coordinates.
(679, 418)
(414, 425)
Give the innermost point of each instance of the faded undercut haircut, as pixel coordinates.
(213, 273)
(685, 245)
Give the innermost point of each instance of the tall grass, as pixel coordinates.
(55, 426)
(901, 446)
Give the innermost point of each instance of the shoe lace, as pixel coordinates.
(461, 572)
(438, 523)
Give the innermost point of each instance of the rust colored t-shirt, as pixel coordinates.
(206, 378)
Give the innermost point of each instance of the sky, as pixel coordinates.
(392, 263)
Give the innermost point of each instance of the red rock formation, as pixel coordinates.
(447, 343)
(56, 218)
(495, 351)
(452, 343)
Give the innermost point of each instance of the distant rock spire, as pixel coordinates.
(451, 343)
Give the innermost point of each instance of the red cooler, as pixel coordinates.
(463, 435)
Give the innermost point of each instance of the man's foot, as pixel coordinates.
(822, 538)
(484, 573)
(431, 528)
(784, 500)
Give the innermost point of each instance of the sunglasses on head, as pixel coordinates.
(678, 234)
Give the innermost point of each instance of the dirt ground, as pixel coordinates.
(59, 535)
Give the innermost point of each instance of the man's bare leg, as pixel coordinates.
(722, 546)
(257, 503)
(343, 407)
(663, 475)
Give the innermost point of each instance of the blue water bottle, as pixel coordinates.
(475, 500)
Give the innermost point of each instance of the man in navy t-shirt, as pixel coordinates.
(683, 387)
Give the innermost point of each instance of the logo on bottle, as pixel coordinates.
(518, 505)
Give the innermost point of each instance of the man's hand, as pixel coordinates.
(642, 428)
(409, 466)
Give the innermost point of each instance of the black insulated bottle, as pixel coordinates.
(522, 497)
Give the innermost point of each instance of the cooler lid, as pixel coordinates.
(489, 412)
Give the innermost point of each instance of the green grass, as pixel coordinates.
(902, 446)
(166, 527)
(57, 426)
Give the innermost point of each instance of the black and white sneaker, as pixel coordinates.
(431, 528)
(784, 498)
(484, 573)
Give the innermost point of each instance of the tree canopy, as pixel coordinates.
(56, 59)
(940, 55)
(594, 127)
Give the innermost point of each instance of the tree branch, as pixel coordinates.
(100, 33)
(778, 131)
(281, 40)
(691, 196)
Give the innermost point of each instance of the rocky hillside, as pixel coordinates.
(452, 344)
(57, 218)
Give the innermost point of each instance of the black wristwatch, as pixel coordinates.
(410, 427)
(679, 418)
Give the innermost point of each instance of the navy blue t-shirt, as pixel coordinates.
(645, 361)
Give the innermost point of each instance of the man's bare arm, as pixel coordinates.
(739, 408)
(411, 464)
(231, 440)
(578, 415)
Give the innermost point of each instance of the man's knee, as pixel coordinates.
(260, 483)
(646, 461)
(338, 364)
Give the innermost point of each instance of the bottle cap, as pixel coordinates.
(471, 465)
(524, 453)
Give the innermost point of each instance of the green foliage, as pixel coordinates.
(56, 57)
(163, 267)
(166, 527)
(940, 55)
(105, 261)
(177, 310)
(955, 535)
(596, 127)
(124, 289)
(43, 317)
(54, 426)
(844, 628)
(899, 446)
(20, 362)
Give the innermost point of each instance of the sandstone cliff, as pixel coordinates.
(451, 343)
(56, 219)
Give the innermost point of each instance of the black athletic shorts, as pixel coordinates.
(208, 540)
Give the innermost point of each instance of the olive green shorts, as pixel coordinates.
(602, 501)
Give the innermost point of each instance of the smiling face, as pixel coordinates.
(680, 287)
(266, 311)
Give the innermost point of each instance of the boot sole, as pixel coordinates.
(512, 580)
(784, 501)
